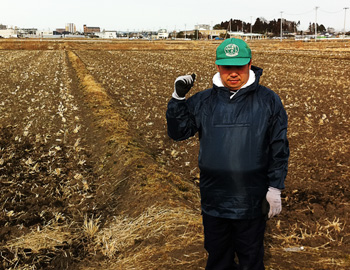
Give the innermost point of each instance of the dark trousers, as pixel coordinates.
(224, 239)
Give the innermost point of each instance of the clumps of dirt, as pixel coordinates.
(36, 197)
(97, 183)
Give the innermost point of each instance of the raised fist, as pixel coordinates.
(183, 84)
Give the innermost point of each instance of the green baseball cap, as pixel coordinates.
(233, 52)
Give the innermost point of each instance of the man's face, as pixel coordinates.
(234, 77)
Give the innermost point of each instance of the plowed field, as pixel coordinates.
(90, 180)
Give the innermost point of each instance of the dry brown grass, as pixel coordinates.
(93, 44)
(46, 238)
(156, 223)
(159, 231)
(136, 238)
(100, 103)
(303, 234)
(144, 45)
(297, 45)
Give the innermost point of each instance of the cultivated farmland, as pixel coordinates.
(90, 180)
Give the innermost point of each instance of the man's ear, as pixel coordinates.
(218, 68)
(250, 64)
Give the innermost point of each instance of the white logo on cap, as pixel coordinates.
(231, 50)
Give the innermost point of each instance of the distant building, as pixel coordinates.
(212, 34)
(107, 34)
(331, 30)
(162, 34)
(3, 27)
(244, 35)
(71, 28)
(8, 33)
(91, 29)
(60, 30)
(27, 32)
(46, 34)
(202, 27)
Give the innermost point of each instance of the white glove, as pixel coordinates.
(273, 196)
(182, 85)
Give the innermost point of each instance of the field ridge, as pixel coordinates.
(164, 218)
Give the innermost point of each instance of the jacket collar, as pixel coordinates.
(217, 80)
(254, 77)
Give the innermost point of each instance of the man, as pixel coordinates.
(243, 156)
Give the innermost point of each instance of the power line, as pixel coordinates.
(332, 12)
(298, 14)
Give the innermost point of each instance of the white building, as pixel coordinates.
(46, 34)
(71, 28)
(27, 32)
(245, 35)
(162, 34)
(202, 27)
(8, 33)
(107, 34)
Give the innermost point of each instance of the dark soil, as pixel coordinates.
(55, 171)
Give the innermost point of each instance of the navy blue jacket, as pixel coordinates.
(243, 145)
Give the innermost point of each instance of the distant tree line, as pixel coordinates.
(262, 26)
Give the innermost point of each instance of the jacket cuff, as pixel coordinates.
(274, 190)
(175, 95)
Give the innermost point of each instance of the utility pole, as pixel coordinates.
(211, 30)
(281, 25)
(316, 24)
(251, 27)
(345, 19)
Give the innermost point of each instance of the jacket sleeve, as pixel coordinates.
(180, 119)
(278, 148)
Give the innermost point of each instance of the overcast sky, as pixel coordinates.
(155, 14)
